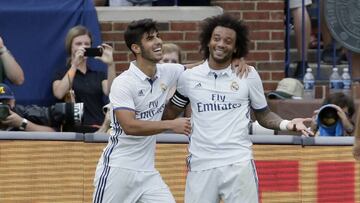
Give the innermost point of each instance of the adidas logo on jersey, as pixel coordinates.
(141, 93)
(198, 85)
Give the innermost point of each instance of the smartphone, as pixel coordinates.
(92, 52)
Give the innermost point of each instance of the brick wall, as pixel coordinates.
(265, 21)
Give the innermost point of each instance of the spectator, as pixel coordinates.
(220, 160)
(296, 11)
(19, 118)
(9, 68)
(344, 109)
(131, 2)
(171, 53)
(89, 86)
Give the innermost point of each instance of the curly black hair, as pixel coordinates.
(224, 20)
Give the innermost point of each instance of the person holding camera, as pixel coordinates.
(19, 118)
(89, 86)
(334, 118)
(9, 68)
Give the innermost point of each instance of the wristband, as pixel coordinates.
(283, 124)
(3, 50)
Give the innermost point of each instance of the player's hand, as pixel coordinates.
(240, 67)
(182, 126)
(298, 124)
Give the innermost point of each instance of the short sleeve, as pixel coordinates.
(121, 95)
(182, 83)
(256, 90)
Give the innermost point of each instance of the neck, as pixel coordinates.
(147, 67)
(218, 65)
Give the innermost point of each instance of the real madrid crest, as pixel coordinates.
(163, 87)
(234, 86)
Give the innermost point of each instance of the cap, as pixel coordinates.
(288, 88)
(6, 92)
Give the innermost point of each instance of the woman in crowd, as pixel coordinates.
(89, 86)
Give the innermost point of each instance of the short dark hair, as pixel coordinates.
(224, 20)
(136, 29)
(342, 100)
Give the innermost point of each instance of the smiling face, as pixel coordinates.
(221, 47)
(150, 47)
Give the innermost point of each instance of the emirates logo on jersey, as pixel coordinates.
(234, 86)
(163, 87)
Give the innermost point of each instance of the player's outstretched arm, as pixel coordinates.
(269, 119)
(132, 126)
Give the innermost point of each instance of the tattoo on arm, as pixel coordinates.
(268, 119)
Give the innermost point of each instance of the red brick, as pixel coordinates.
(193, 56)
(120, 26)
(270, 86)
(105, 26)
(260, 25)
(259, 35)
(112, 36)
(270, 45)
(183, 26)
(120, 57)
(256, 15)
(121, 46)
(172, 36)
(272, 6)
(189, 46)
(271, 66)
(277, 55)
(121, 66)
(275, 35)
(264, 75)
(192, 36)
(258, 56)
(277, 75)
(277, 15)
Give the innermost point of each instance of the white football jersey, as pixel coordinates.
(134, 91)
(220, 103)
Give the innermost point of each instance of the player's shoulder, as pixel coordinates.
(253, 73)
(170, 67)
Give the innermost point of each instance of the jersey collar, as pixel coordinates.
(224, 72)
(136, 70)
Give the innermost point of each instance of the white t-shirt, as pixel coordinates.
(133, 90)
(220, 103)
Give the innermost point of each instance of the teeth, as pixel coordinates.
(158, 49)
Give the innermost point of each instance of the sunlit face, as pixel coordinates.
(151, 45)
(171, 57)
(222, 45)
(80, 41)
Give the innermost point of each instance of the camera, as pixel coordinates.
(92, 52)
(328, 116)
(4, 111)
(67, 113)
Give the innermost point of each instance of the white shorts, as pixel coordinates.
(114, 185)
(232, 183)
(298, 3)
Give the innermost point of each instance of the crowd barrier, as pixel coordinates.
(59, 167)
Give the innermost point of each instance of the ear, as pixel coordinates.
(136, 48)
